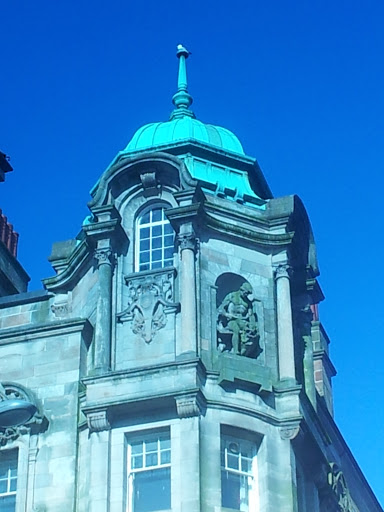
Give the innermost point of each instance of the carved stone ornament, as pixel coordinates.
(188, 406)
(289, 432)
(237, 324)
(283, 271)
(150, 300)
(10, 434)
(149, 181)
(187, 241)
(98, 421)
(338, 485)
(103, 257)
(10, 391)
(61, 308)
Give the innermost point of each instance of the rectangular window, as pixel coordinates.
(155, 237)
(238, 474)
(149, 472)
(8, 480)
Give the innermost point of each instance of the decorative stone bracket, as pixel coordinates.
(189, 405)
(98, 421)
(289, 433)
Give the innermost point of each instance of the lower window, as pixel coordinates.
(238, 474)
(149, 472)
(8, 480)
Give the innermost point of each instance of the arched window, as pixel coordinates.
(155, 240)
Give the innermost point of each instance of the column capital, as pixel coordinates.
(103, 257)
(283, 270)
(187, 241)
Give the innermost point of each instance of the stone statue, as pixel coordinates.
(237, 325)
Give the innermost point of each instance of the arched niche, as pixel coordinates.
(237, 322)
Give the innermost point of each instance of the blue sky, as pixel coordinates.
(300, 83)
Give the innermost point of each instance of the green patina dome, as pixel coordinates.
(184, 128)
(211, 154)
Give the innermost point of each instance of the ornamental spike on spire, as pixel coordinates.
(182, 99)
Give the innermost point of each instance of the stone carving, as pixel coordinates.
(10, 434)
(149, 182)
(187, 241)
(10, 391)
(98, 421)
(338, 485)
(283, 271)
(62, 306)
(188, 406)
(150, 299)
(237, 325)
(289, 432)
(103, 256)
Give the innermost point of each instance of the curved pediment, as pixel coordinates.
(149, 170)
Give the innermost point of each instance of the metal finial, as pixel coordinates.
(182, 99)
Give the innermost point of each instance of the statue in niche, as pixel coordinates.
(149, 301)
(237, 326)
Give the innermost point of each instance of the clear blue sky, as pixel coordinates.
(301, 83)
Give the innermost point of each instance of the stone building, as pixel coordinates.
(176, 361)
(13, 278)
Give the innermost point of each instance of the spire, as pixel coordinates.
(182, 99)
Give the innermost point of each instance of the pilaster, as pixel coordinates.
(284, 323)
(188, 247)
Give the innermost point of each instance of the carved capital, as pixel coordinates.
(103, 257)
(187, 241)
(98, 421)
(188, 406)
(283, 271)
(289, 432)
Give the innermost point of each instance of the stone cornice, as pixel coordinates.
(246, 233)
(11, 301)
(30, 332)
(74, 263)
(144, 370)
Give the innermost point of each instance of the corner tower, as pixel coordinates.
(194, 368)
